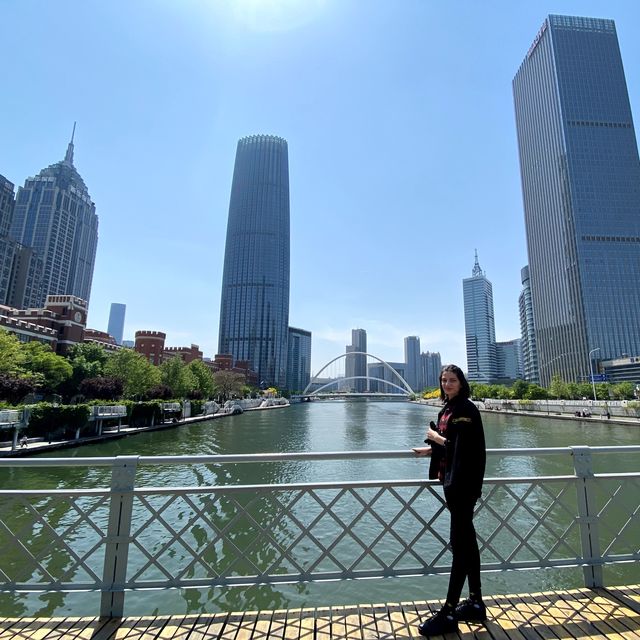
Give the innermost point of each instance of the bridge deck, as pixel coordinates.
(607, 613)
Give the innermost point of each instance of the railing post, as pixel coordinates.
(587, 516)
(118, 536)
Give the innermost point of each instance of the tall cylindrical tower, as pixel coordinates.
(254, 308)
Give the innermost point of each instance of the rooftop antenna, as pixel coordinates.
(69, 155)
(477, 271)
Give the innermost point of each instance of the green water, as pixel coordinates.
(319, 427)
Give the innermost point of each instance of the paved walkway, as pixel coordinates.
(611, 613)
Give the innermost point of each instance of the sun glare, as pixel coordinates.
(276, 15)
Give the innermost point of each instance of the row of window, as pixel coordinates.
(594, 123)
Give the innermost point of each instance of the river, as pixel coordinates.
(319, 427)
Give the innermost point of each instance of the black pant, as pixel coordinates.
(464, 547)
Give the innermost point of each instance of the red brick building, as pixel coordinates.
(188, 354)
(151, 345)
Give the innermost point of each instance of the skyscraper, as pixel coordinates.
(254, 308)
(299, 359)
(412, 362)
(115, 327)
(7, 246)
(355, 363)
(431, 364)
(55, 216)
(580, 175)
(20, 267)
(527, 330)
(479, 325)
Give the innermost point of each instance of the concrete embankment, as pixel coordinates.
(580, 410)
(38, 445)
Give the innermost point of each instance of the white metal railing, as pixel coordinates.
(109, 411)
(122, 537)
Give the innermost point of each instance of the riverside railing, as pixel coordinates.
(125, 536)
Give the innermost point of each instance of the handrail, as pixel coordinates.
(122, 537)
(285, 457)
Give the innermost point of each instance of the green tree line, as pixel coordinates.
(558, 389)
(91, 372)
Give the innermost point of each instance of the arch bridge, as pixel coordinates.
(400, 387)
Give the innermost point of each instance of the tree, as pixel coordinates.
(177, 376)
(519, 389)
(203, 378)
(14, 389)
(623, 391)
(227, 384)
(558, 387)
(536, 392)
(137, 374)
(87, 360)
(102, 388)
(41, 361)
(11, 357)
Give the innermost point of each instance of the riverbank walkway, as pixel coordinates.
(611, 613)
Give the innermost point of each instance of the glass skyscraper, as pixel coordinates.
(117, 314)
(581, 191)
(254, 308)
(299, 359)
(527, 330)
(479, 326)
(55, 216)
(412, 361)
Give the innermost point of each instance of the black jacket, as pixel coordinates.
(464, 452)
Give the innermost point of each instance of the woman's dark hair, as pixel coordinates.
(465, 389)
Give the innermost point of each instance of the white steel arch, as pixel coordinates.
(405, 384)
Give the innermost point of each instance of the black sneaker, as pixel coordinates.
(471, 611)
(442, 622)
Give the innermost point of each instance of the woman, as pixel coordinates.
(458, 458)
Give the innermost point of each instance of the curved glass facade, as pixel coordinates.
(581, 191)
(254, 309)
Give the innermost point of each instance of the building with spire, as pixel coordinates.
(254, 305)
(580, 175)
(55, 217)
(479, 324)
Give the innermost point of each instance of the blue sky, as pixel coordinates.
(402, 150)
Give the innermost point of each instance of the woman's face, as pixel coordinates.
(450, 384)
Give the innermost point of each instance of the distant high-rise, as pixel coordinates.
(55, 216)
(254, 308)
(356, 364)
(7, 245)
(527, 330)
(116, 321)
(509, 359)
(412, 363)
(479, 324)
(299, 359)
(580, 183)
(20, 266)
(431, 364)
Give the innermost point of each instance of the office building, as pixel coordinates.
(298, 359)
(412, 363)
(356, 361)
(527, 330)
(7, 245)
(431, 365)
(384, 380)
(254, 308)
(20, 266)
(55, 216)
(479, 325)
(509, 360)
(115, 327)
(580, 174)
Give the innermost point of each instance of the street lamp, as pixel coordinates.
(593, 382)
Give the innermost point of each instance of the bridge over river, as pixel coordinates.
(276, 512)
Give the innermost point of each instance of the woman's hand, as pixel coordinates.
(422, 451)
(433, 435)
